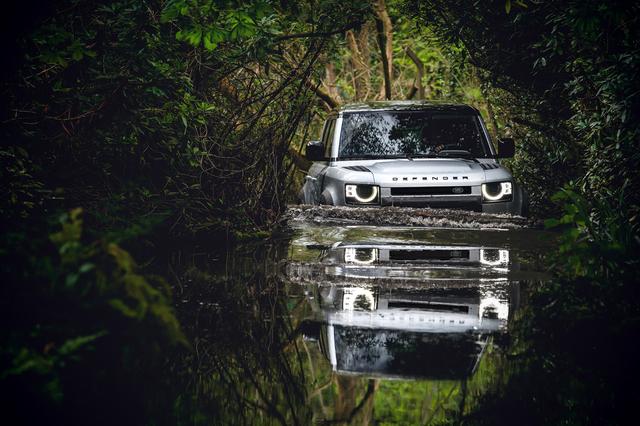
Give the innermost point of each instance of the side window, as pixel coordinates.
(328, 137)
(325, 130)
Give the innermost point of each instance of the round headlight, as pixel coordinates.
(494, 257)
(360, 256)
(362, 193)
(496, 191)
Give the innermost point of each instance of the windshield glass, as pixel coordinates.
(410, 133)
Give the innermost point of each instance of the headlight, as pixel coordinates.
(360, 256)
(362, 194)
(494, 257)
(497, 191)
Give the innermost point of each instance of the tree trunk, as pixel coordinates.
(420, 66)
(412, 92)
(365, 53)
(346, 397)
(384, 30)
(359, 66)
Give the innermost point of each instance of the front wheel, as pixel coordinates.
(326, 198)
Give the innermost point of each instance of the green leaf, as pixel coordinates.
(71, 280)
(76, 343)
(551, 223)
(209, 44)
(77, 55)
(122, 307)
(195, 36)
(86, 267)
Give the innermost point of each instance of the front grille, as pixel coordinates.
(470, 206)
(431, 190)
(409, 255)
(439, 307)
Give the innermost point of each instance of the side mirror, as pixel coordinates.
(315, 151)
(506, 148)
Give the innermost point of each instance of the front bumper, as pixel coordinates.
(472, 202)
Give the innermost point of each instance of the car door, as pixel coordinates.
(313, 181)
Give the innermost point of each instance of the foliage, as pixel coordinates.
(182, 114)
(110, 109)
(570, 355)
(246, 367)
(20, 189)
(446, 75)
(212, 23)
(563, 78)
(597, 241)
(81, 308)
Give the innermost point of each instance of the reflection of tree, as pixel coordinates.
(409, 354)
(397, 133)
(346, 409)
(356, 346)
(362, 303)
(366, 135)
(244, 368)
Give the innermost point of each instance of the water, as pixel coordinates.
(351, 324)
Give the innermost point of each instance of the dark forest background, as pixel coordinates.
(126, 124)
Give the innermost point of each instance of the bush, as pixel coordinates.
(79, 322)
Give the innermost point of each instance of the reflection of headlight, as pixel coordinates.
(361, 256)
(497, 191)
(494, 257)
(358, 299)
(494, 308)
(362, 194)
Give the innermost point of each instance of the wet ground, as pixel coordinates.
(346, 321)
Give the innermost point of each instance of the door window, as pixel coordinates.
(328, 140)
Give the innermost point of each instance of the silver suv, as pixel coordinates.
(411, 154)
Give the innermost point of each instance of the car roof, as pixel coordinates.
(407, 106)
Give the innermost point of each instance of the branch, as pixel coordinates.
(420, 66)
(330, 82)
(298, 159)
(412, 92)
(317, 34)
(359, 67)
(322, 94)
(371, 389)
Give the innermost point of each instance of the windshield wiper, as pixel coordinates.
(445, 153)
(374, 157)
(423, 155)
(456, 153)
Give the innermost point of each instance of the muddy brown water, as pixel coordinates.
(355, 323)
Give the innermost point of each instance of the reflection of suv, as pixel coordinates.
(410, 154)
(418, 333)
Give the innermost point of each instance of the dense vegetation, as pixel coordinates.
(126, 122)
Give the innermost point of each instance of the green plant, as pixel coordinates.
(597, 241)
(76, 311)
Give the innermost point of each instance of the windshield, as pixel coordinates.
(410, 133)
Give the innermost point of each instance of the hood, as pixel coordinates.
(436, 171)
(424, 165)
